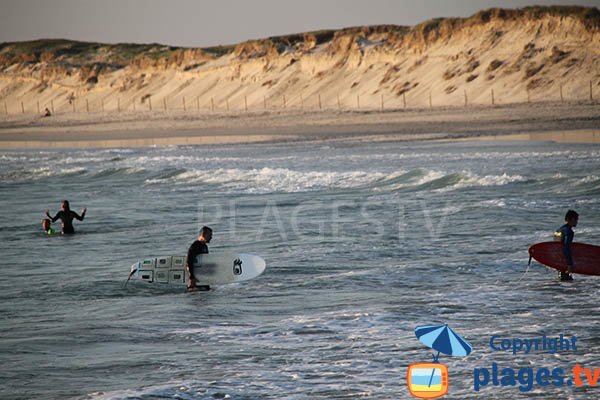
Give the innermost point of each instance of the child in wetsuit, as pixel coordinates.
(565, 235)
(46, 224)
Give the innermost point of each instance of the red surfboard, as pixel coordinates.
(586, 257)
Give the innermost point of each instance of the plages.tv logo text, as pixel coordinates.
(527, 377)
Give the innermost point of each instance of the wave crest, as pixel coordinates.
(267, 180)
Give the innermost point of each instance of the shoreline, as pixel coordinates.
(566, 122)
(591, 136)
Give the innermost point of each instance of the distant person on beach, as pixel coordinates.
(66, 216)
(47, 113)
(565, 235)
(198, 247)
(47, 225)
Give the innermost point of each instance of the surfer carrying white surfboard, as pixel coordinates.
(198, 247)
(66, 216)
(565, 235)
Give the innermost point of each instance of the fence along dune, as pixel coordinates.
(494, 57)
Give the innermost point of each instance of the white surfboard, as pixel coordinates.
(209, 269)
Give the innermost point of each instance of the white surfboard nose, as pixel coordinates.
(258, 263)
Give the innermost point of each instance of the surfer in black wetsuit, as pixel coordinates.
(565, 235)
(198, 247)
(66, 216)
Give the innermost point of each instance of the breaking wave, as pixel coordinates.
(268, 180)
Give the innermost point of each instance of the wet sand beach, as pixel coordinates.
(569, 122)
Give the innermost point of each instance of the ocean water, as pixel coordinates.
(363, 242)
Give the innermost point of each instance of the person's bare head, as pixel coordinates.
(64, 205)
(205, 234)
(571, 218)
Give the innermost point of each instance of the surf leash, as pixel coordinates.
(526, 271)
(129, 277)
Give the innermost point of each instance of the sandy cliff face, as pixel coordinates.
(495, 56)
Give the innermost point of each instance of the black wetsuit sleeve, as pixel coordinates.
(56, 217)
(79, 217)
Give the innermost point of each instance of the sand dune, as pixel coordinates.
(496, 56)
(499, 71)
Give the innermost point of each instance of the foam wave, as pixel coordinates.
(439, 180)
(491, 180)
(267, 180)
(272, 179)
(587, 180)
(9, 158)
(33, 174)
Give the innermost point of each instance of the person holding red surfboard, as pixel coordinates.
(565, 235)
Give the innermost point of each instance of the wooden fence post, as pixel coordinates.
(492, 96)
(382, 102)
(430, 102)
(212, 104)
(102, 105)
(51, 105)
(119, 104)
(466, 100)
(87, 105)
(198, 103)
(246, 103)
(6, 108)
(561, 92)
(320, 105)
(284, 105)
(591, 93)
(528, 96)
(358, 101)
(404, 99)
(38, 106)
(22, 108)
(184, 109)
(150, 103)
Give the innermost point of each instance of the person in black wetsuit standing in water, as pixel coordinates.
(66, 216)
(198, 247)
(565, 235)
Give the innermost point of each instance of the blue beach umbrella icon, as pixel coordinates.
(443, 339)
